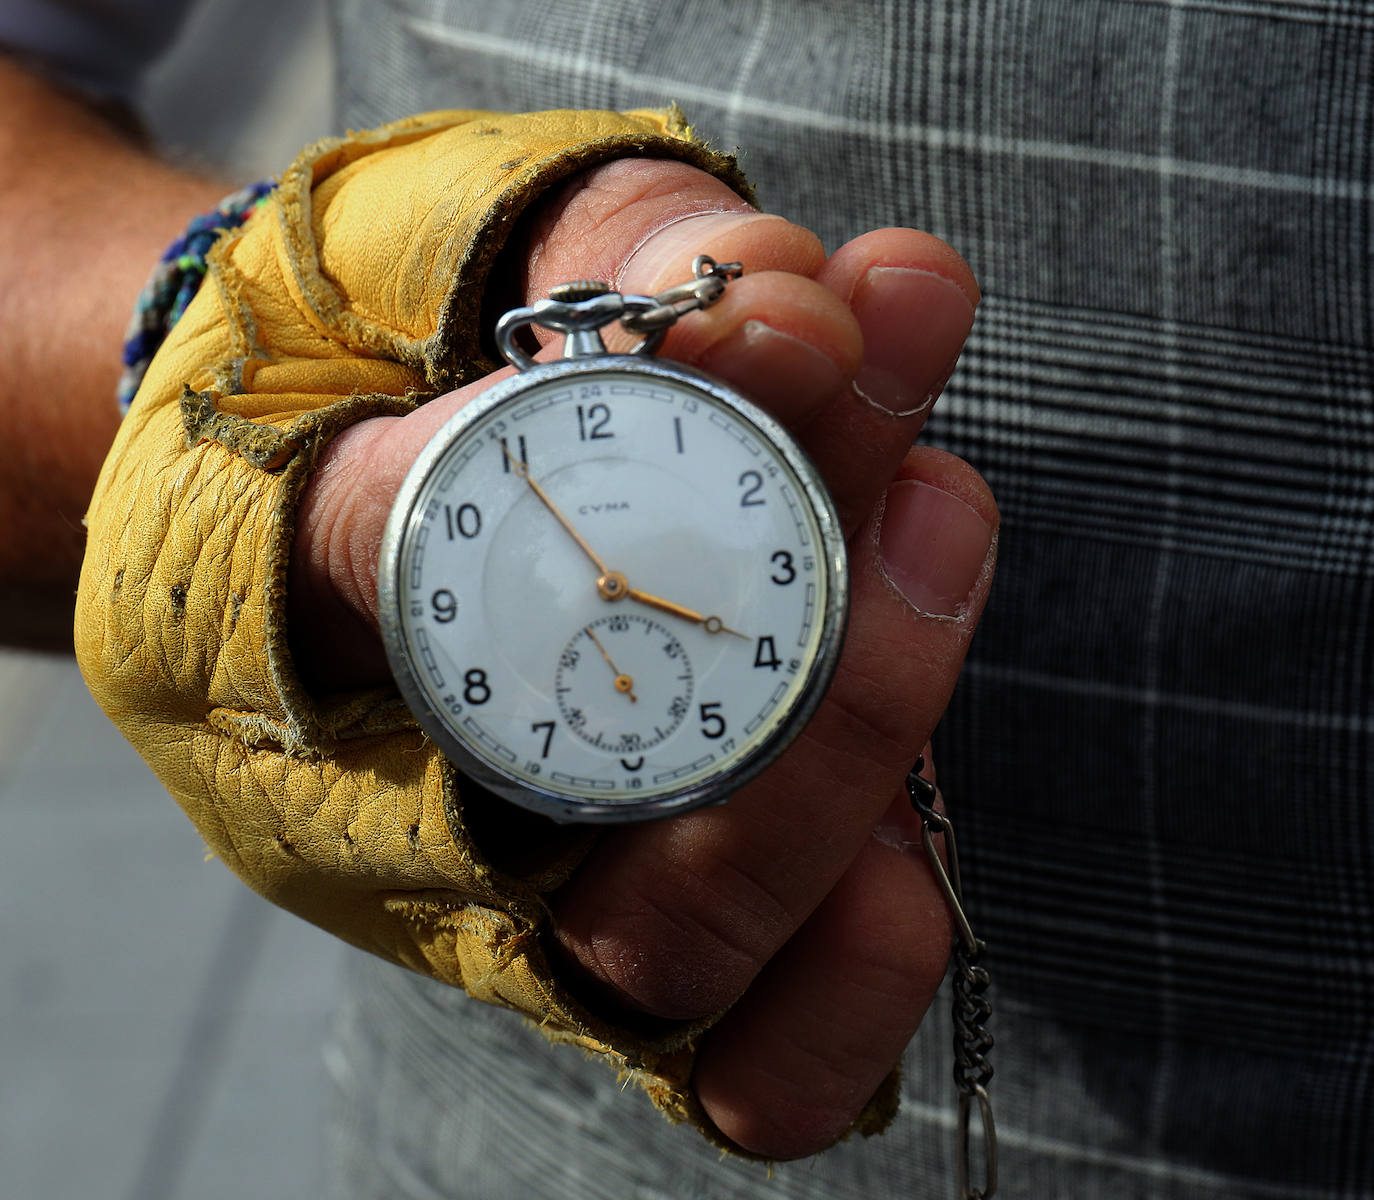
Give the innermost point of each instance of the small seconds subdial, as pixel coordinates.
(624, 684)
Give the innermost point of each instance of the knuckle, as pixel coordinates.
(690, 941)
(792, 1126)
(792, 1066)
(605, 212)
(871, 717)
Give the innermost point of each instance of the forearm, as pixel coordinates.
(84, 212)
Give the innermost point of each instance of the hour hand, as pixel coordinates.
(710, 624)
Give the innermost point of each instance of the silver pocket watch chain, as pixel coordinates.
(972, 1041)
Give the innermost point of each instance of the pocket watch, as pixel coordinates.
(611, 587)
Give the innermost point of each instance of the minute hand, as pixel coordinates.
(524, 472)
(712, 624)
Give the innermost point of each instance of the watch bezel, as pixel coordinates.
(560, 806)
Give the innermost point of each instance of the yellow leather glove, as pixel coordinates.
(355, 292)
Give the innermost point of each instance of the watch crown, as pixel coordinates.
(579, 289)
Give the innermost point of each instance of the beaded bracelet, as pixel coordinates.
(175, 281)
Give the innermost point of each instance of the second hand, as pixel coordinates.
(623, 683)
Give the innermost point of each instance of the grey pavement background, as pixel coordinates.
(161, 1028)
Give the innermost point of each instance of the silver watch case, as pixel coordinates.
(548, 801)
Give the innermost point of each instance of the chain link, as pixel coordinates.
(972, 1009)
(972, 1041)
(706, 286)
(581, 308)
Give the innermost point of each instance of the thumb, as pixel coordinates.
(637, 223)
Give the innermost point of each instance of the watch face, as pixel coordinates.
(612, 589)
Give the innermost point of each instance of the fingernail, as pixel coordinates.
(914, 325)
(781, 368)
(932, 547)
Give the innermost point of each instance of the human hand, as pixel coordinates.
(797, 903)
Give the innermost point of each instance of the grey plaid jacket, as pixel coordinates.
(1160, 757)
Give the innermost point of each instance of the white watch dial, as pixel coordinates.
(610, 590)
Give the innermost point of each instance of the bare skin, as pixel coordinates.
(74, 250)
(794, 903)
